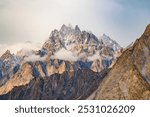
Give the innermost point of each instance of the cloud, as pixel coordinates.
(22, 20)
(34, 19)
(65, 55)
(14, 48)
(34, 58)
(94, 57)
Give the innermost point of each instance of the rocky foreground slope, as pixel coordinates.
(70, 65)
(129, 78)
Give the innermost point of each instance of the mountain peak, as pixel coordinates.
(7, 54)
(147, 31)
(69, 55)
(77, 28)
(65, 27)
(104, 36)
(129, 78)
(106, 40)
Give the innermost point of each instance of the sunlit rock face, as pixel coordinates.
(68, 85)
(129, 78)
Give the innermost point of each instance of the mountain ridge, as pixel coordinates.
(129, 77)
(35, 67)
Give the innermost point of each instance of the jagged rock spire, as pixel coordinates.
(77, 29)
(7, 54)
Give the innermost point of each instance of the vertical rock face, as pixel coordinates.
(70, 65)
(129, 78)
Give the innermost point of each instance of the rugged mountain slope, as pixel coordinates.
(9, 64)
(83, 45)
(107, 41)
(69, 85)
(70, 65)
(129, 78)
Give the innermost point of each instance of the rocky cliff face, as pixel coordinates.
(68, 85)
(70, 65)
(9, 64)
(129, 78)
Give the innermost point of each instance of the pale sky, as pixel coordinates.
(33, 20)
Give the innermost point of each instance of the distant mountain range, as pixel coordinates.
(75, 64)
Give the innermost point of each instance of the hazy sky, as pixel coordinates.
(33, 20)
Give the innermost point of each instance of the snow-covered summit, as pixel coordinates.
(107, 41)
(67, 44)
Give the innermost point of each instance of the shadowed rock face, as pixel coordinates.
(69, 85)
(129, 78)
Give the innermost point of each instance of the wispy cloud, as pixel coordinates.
(94, 57)
(34, 58)
(14, 48)
(65, 55)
